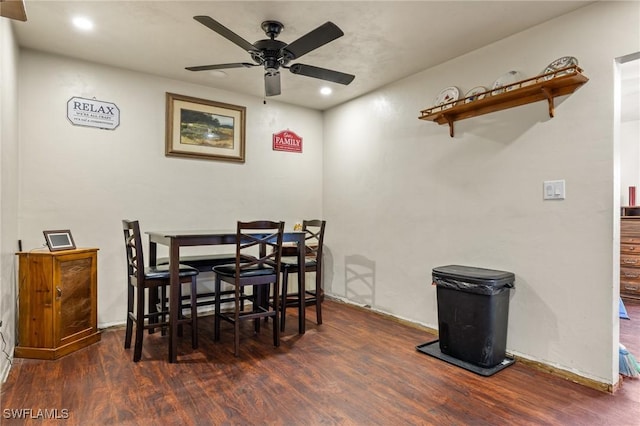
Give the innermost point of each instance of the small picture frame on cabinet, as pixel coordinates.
(59, 240)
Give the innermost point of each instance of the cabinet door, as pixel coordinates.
(74, 285)
(36, 303)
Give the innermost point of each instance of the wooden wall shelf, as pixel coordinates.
(543, 87)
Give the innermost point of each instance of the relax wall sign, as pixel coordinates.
(93, 113)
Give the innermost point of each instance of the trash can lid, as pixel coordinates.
(470, 274)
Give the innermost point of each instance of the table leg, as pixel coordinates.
(174, 299)
(153, 253)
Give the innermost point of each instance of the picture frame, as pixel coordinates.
(204, 129)
(59, 240)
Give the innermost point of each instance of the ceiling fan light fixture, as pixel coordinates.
(218, 74)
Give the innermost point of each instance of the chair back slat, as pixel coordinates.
(314, 240)
(267, 237)
(133, 247)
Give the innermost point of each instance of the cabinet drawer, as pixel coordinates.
(630, 275)
(630, 226)
(631, 260)
(629, 239)
(630, 249)
(629, 288)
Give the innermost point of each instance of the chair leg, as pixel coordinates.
(137, 350)
(129, 329)
(180, 314)
(236, 322)
(152, 308)
(258, 301)
(216, 312)
(276, 310)
(163, 307)
(319, 296)
(283, 305)
(194, 314)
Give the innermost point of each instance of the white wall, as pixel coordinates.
(8, 190)
(402, 197)
(629, 128)
(88, 180)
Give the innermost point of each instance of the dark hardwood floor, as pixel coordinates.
(358, 368)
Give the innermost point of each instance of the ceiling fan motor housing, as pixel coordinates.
(269, 54)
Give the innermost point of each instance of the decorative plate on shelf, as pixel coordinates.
(447, 95)
(475, 94)
(558, 64)
(505, 80)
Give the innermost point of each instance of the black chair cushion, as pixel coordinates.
(162, 272)
(256, 271)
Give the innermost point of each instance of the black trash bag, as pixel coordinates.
(473, 280)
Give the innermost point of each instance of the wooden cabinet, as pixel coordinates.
(57, 302)
(630, 253)
(543, 87)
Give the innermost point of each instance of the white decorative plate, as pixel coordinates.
(447, 95)
(505, 80)
(558, 64)
(475, 94)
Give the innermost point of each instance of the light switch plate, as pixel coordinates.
(553, 190)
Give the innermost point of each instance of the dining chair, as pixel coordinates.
(314, 241)
(142, 279)
(257, 264)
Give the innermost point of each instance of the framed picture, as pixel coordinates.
(199, 128)
(59, 240)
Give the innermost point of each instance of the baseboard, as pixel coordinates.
(567, 375)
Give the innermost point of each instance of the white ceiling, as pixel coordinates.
(384, 41)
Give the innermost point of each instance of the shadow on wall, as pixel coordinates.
(360, 279)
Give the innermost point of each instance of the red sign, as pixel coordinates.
(286, 140)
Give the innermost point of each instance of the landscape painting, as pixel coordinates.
(200, 128)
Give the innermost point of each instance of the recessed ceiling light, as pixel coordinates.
(82, 23)
(326, 91)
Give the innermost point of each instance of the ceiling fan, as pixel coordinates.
(274, 54)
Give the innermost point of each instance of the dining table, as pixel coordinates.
(175, 240)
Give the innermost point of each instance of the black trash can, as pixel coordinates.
(473, 311)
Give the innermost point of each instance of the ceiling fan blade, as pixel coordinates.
(221, 66)
(272, 84)
(225, 32)
(322, 73)
(312, 40)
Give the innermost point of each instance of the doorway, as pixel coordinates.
(627, 143)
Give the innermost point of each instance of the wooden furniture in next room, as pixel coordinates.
(57, 312)
(630, 253)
